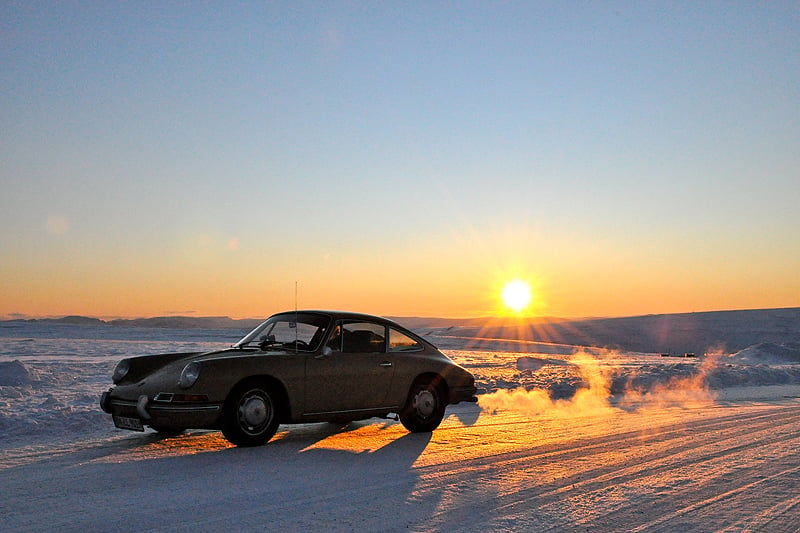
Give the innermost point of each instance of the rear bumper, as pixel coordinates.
(463, 394)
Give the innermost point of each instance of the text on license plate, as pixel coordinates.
(126, 422)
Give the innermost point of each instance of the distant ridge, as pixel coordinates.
(677, 333)
(189, 322)
(71, 320)
(166, 322)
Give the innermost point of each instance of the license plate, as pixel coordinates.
(126, 422)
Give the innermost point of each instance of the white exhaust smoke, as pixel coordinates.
(595, 397)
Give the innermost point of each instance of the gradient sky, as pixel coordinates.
(398, 158)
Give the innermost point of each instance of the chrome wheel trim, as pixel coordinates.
(255, 412)
(425, 403)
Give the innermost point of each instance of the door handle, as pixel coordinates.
(386, 364)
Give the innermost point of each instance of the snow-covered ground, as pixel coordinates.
(563, 438)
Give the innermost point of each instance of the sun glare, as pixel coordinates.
(517, 295)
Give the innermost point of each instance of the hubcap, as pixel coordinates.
(425, 403)
(254, 412)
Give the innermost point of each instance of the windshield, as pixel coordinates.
(289, 331)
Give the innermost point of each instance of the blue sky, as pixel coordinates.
(194, 152)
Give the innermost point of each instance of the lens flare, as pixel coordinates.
(516, 295)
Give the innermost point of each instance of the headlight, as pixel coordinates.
(121, 370)
(189, 375)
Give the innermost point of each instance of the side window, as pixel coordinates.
(363, 337)
(335, 342)
(400, 342)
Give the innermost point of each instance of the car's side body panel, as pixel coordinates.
(347, 382)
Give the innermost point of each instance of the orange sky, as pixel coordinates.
(463, 277)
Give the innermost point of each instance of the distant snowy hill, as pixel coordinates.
(167, 322)
(727, 331)
(188, 322)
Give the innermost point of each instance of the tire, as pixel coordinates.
(250, 415)
(424, 408)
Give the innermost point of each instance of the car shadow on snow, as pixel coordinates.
(345, 480)
(336, 476)
(466, 413)
(320, 475)
(345, 476)
(367, 438)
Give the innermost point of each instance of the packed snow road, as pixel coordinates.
(723, 466)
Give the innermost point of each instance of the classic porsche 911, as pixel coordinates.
(295, 367)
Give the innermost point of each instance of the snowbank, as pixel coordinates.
(768, 353)
(16, 373)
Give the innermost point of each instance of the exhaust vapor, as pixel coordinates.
(606, 389)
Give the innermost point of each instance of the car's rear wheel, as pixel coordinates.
(424, 408)
(250, 415)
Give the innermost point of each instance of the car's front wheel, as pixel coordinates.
(424, 408)
(250, 415)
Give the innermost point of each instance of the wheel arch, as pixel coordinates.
(437, 379)
(425, 405)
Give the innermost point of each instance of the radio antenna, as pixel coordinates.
(296, 333)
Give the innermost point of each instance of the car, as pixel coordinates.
(295, 367)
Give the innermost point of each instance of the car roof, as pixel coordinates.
(346, 315)
(350, 315)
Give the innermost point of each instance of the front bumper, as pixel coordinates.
(163, 411)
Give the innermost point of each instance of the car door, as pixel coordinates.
(353, 373)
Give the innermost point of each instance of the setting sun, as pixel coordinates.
(516, 295)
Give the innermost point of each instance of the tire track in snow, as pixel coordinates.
(772, 519)
(663, 456)
(583, 445)
(667, 520)
(712, 469)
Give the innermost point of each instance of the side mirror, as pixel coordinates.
(326, 351)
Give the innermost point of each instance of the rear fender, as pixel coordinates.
(437, 379)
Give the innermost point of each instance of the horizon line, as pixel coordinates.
(12, 317)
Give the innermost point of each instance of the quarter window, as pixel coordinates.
(400, 342)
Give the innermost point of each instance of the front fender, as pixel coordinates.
(145, 365)
(219, 375)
